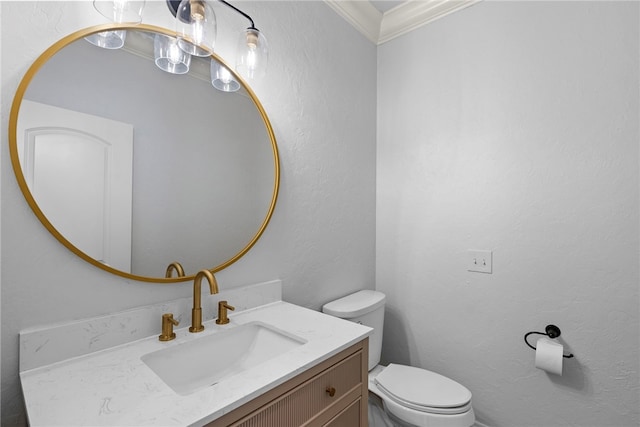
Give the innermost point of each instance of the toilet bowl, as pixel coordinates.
(410, 396)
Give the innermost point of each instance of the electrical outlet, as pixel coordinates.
(480, 261)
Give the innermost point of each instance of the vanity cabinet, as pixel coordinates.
(332, 394)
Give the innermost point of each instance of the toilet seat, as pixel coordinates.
(423, 390)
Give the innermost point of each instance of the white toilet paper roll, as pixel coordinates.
(549, 356)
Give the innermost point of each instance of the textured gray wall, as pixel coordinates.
(320, 97)
(513, 127)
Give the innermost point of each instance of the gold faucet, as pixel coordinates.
(174, 266)
(196, 312)
(167, 327)
(223, 306)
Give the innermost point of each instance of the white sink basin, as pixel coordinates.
(203, 362)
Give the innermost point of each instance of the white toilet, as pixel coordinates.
(410, 396)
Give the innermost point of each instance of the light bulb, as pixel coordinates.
(251, 60)
(225, 75)
(253, 54)
(197, 29)
(174, 53)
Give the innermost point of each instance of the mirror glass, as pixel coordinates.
(134, 168)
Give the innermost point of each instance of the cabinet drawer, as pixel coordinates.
(349, 417)
(310, 398)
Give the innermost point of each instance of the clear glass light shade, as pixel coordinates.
(121, 11)
(196, 27)
(168, 56)
(222, 79)
(252, 55)
(108, 39)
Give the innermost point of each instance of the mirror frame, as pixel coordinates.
(17, 168)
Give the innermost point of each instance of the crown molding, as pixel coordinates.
(406, 17)
(413, 14)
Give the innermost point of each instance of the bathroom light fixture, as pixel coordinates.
(196, 27)
(168, 56)
(118, 12)
(253, 51)
(222, 79)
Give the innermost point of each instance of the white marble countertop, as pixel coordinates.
(113, 387)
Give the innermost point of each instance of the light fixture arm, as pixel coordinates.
(252, 27)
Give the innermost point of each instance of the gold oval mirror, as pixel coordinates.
(133, 168)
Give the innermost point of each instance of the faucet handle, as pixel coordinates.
(223, 306)
(168, 323)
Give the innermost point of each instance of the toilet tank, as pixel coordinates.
(366, 308)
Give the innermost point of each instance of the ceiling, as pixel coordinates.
(383, 20)
(385, 5)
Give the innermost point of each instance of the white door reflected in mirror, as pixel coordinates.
(79, 168)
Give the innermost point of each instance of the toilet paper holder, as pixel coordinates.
(552, 331)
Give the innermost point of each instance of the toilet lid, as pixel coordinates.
(423, 390)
